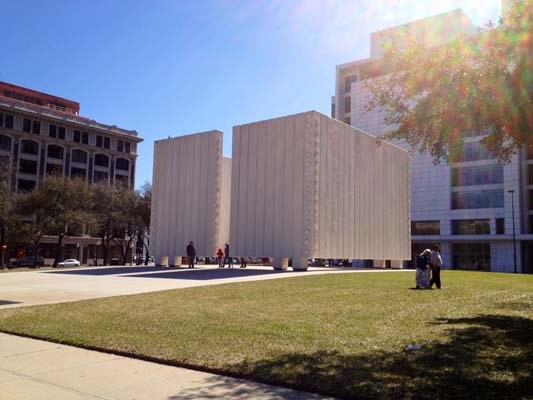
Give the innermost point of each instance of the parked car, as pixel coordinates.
(27, 262)
(69, 263)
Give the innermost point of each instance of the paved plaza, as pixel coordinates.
(23, 288)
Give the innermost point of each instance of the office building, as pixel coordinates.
(41, 134)
(466, 206)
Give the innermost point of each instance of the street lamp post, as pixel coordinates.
(514, 232)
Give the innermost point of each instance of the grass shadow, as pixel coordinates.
(487, 357)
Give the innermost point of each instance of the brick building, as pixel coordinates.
(42, 134)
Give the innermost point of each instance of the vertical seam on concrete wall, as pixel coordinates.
(235, 176)
(155, 202)
(316, 177)
(264, 190)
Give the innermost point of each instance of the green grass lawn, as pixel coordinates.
(340, 334)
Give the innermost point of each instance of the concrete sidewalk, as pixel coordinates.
(35, 369)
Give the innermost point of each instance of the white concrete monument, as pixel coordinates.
(308, 186)
(191, 196)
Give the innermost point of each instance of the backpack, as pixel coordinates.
(422, 262)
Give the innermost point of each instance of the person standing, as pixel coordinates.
(243, 262)
(435, 262)
(220, 257)
(422, 270)
(227, 257)
(191, 254)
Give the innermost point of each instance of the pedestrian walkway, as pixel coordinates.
(24, 288)
(35, 369)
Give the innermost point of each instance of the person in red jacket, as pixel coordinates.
(220, 255)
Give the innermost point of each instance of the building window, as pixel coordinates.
(531, 223)
(54, 169)
(24, 185)
(29, 147)
(348, 82)
(55, 152)
(5, 143)
(471, 227)
(107, 143)
(475, 133)
(4, 162)
(28, 167)
(100, 176)
(79, 156)
(120, 145)
(61, 132)
(36, 127)
(347, 104)
(347, 120)
(8, 121)
(127, 147)
(530, 174)
(76, 136)
(500, 226)
(101, 160)
(99, 141)
(78, 172)
(52, 131)
(332, 110)
(473, 151)
(477, 199)
(85, 138)
(31, 126)
(122, 164)
(121, 180)
(26, 125)
(471, 256)
(425, 228)
(478, 175)
(530, 195)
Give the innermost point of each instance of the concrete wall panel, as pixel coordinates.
(309, 186)
(191, 195)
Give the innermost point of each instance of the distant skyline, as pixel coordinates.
(171, 68)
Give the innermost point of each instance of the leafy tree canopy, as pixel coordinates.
(476, 83)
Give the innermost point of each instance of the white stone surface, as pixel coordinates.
(35, 369)
(190, 196)
(308, 186)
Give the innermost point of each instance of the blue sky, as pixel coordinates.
(170, 68)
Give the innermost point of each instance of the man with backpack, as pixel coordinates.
(435, 262)
(227, 257)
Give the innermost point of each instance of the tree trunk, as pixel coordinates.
(4, 253)
(37, 244)
(104, 250)
(108, 252)
(125, 254)
(60, 249)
